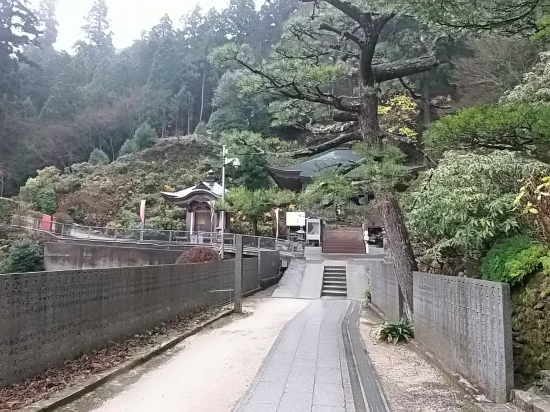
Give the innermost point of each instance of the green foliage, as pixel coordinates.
(7, 209)
(512, 259)
(394, 332)
(99, 158)
(327, 196)
(512, 126)
(144, 136)
(534, 202)
(368, 294)
(251, 172)
(237, 110)
(45, 200)
(381, 169)
(41, 190)
(462, 206)
(534, 88)
(128, 147)
(198, 254)
(253, 205)
(24, 256)
(201, 129)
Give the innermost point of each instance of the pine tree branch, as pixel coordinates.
(323, 147)
(346, 34)
(403, 68)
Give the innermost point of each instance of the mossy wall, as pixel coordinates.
(531, 328)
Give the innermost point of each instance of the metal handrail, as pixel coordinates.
(163, 237)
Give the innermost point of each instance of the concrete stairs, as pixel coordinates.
(334, 282)
(345, 240)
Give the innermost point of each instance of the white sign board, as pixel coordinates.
(313, 231)
(296, 219)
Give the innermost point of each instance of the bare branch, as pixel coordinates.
(346, 34)
(349, 10)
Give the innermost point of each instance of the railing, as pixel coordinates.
(160, 237)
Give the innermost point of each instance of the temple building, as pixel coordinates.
(199, 202)
(298, 176)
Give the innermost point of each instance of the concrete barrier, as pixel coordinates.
(467, 325)
(69, 256)
(49, 317)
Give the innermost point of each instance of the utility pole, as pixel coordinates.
(238, 305)
(224, 154)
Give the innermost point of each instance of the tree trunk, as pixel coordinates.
(402, 253)
(202, 94)
(255, 227)
(368, 118)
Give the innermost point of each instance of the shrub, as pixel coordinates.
(46, 200)
(61, 219)
(368, 294)
(7, 209)
(510, 260)
(144, 136)
(24, 256)
(201, 129)
(534, 201)
(128, 147)
(394, 332)
(98, 158)
(198, 254)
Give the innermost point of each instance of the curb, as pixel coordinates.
(69, 395)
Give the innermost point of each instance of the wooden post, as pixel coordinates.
(238, 274)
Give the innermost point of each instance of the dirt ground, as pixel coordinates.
(410, 383)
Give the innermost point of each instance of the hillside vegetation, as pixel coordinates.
(110, 195)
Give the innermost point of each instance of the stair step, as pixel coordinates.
(340, 290)
(334, 282)
(337, 278)
(334, 293)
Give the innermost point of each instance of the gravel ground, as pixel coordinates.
(410, 383)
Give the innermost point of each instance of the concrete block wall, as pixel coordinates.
(269, 268)
(385, 292)
(48, 317)
(466, 324)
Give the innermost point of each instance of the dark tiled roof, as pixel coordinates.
(326, 162)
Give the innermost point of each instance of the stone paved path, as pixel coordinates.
(306, 369)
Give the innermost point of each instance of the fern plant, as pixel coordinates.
(394, 332)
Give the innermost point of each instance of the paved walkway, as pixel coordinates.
(306, 369)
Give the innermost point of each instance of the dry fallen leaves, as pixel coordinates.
(76, 371)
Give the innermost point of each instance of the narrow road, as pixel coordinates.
(285, 354)
(208, 372)
(307, 369)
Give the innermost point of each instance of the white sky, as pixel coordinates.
(128, 17)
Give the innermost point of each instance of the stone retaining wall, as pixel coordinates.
(385, 292)
(48, 317)
(466, 324)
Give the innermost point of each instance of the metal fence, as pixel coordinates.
(163, 237)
